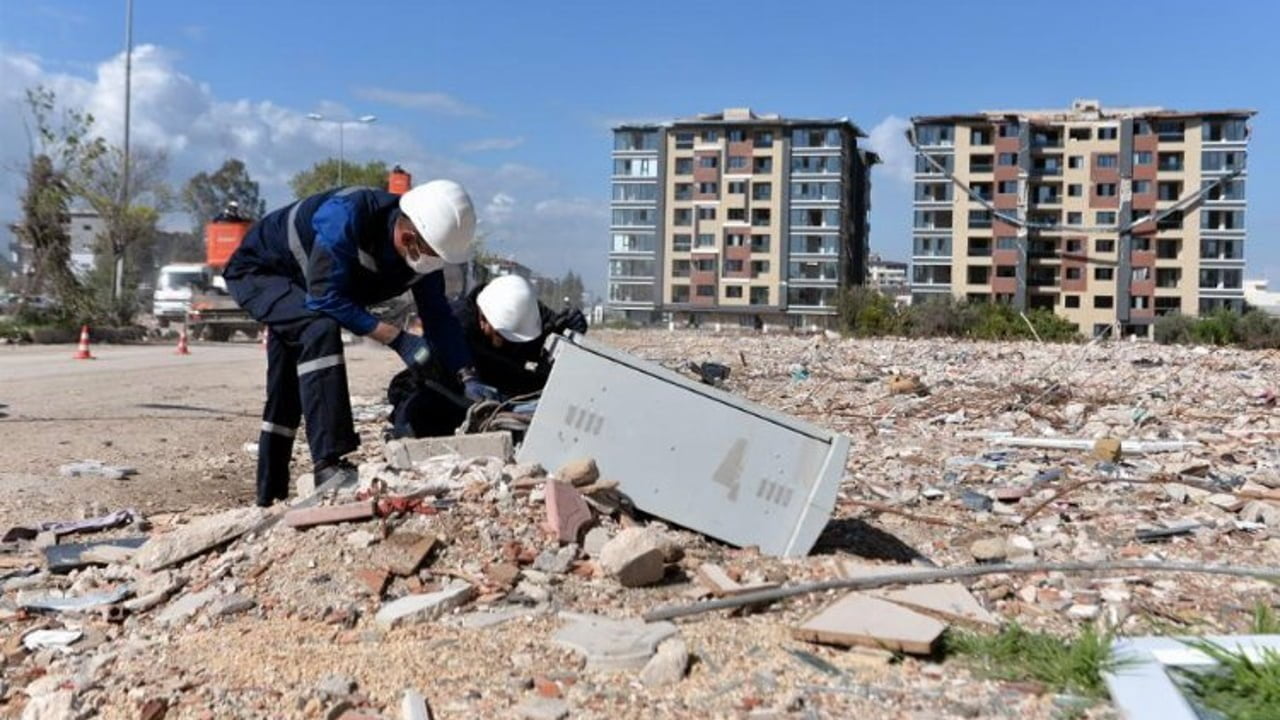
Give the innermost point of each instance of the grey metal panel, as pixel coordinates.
(686, 452)
(1142, 688)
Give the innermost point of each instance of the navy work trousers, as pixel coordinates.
(306, 376)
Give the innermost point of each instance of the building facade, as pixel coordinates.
(886, 275)
(737, 218)
(1110, 217)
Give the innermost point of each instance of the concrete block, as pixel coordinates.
(185, 607)
(420, 608)
(667, 666)
(232, 604)
(579, 472)
(404, 453)
(858, 619)
(567, 511)
(329, 514)
(204, 534)
(634, 557)
(541, 708)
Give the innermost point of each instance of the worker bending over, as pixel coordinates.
(505, 328)
(310, 270)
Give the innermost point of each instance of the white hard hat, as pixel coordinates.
(443, 215)
(511, 307)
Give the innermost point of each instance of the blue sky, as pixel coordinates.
(515, 98)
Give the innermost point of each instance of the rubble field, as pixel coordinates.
(457, 579)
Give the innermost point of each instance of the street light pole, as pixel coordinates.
(117, 287)
(363, 119)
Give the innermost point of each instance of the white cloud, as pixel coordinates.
(486, 144)
(436, 102)
(546, 228)
(889, 141)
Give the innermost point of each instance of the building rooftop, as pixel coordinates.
(1083, 110)
(731, 116)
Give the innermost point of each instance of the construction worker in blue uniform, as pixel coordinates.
(309, 270)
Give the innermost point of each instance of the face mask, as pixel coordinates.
(425, 264)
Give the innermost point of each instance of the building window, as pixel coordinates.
(1073, 246)
(1075, 190)
(710, 136)
(1107, 160)
(733, 291)
(706, 213)
(1073, 273)
(737, 215)
(737, 187)
(737, 135)
(708, 161)
(980, 136)
(1104, 273)
(706, 291)
(978, 274)
(708, 188)
(634, 216)
(1221, 219)
(1142, 157)
(1009, 130)
(759, 267)
(1007, 187)
(635, 140)
(1105, 190)
(1168, 248)
(1071, 301)
(1140, 244)
(1103, 302)
(761, 191)
(732, 266)
(738, 162)
(759, 296)
(633, 242)
(681, 242)
(683, 191)
(1211, 160)
(684, 141)
(1104, 246)
(763, 139)
(1169, 161)
(1075, 162)
(1006, 242)
(934, 134)
(1006, 271)
(679, 293)
(979, 247)
(680, 268)
(735, 240)
(630, 192)
(759, 243)
(1168, 277)
(1080, 133)
(1008, 159)
(706, 240)
(761, 216)
(1075, 218)
(762, 165)
(1104, 217)
(1141, 187)
(684, 166)
(1224, 131)
(1108, 133)
(705, 265)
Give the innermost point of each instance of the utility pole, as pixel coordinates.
(363, 119)
(117, 287)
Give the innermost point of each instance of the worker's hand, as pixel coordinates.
(474, 390)
(412, 349)
(572, 319)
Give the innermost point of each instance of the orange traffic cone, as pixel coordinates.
(182, 343)
(82, 353)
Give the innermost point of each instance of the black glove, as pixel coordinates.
(571, 319)
(412, 349)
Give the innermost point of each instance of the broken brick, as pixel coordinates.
(373, 579)
(329, 515)
(403, 552)
(567, 511)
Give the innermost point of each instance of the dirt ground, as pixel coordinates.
(181, 421)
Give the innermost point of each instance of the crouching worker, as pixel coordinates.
(309, 270)
(505, 328)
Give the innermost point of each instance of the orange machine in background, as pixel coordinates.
(221, 238)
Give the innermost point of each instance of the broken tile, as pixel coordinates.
(404, 552)
(610, 644)
(950, 600)
(329, 514)
(567, 511)
(859, 619)
(373, 579)
(421, 608)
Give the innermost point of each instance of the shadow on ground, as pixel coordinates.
(851, 535)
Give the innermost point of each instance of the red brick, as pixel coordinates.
(404, 552)
(330, 514)
(373, 579)
(546, 688)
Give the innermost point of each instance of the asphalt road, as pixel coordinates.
(182, 421)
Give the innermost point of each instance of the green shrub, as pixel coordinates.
(866, 312)
(1258, 330)
(1220, 328)
(942, 316)
(1051, 327)
(1174, 328)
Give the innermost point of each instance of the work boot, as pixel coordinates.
(335, 475)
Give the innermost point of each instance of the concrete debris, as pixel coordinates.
(949, 600)
(201, 536)
(579, 472)
(594, 541)
(611, 645)
(634, 557)
(232, 604)
(424, 607)
(185, 607)
(541, 708)
(76, 603)
(96, 468)
(717, 581)
(330, 514)
(990, 550)
(56, 639)
(336, 685)
(414, 706)
(404, 552)
(556, 562)
(859, 619)
(667, 666)
(406, 453)
(48, 699)
(64, 558)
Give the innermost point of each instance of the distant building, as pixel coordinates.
(886, 274)
(1256, 295)
(738, 218)
(84, 226)
(1106, 216)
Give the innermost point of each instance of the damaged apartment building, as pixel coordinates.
(1109, 217)
(737, 219)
